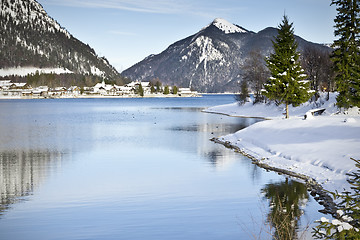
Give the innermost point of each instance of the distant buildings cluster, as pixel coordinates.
(9, 89)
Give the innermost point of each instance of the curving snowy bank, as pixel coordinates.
(319, 147)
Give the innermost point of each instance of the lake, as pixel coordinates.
(136, 169)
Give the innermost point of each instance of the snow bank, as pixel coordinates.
(272, 111)
(319, 147)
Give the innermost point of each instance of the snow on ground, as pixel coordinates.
(23, 71)
(272, 111)
(319, 147)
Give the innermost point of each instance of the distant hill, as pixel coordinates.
(210, 60)
(31, 39)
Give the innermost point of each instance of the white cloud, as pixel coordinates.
(153, 6)
(204, 8)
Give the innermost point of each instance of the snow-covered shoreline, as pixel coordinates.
(319, 147)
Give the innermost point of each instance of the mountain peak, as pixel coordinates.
(210, 60)
(41, 42)
(227, 27)
(31, 12)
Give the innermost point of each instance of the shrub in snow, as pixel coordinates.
(347, 224)
(243, 96)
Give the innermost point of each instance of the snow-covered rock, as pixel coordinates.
(227, 27)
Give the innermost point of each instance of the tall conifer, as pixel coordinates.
(346, 55)
(141, 90)
(287, 83)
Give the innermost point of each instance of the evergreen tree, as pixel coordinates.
(166, 90)
(287, 83)
(175, 90)
(158, 86)
(346, 56)
(152, 88)
(141, 90)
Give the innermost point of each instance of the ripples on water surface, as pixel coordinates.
(130, 169)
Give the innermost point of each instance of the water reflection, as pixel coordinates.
(212, 128)
(207, 127)
(21, 172)
(182, 109)
(146, 171)
(286, 201)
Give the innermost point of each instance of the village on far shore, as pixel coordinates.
(12, 90)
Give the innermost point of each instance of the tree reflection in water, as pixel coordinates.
(22, 171)
(286, 200)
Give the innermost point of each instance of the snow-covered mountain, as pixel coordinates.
(31, 39)
(227, 27)
(210, 60)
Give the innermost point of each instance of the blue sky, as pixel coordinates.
(127, 31)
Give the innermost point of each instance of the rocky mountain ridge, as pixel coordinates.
(210, 60)
(31, 38)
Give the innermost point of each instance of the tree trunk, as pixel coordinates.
(287, 110)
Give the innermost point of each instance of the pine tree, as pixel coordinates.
(287, 83)
(141, 90)
(152, 88)
(166, 90)
(175, 90)
(158, 86)
(346, 56)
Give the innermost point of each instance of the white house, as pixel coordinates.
(135, 85)
(124, 90)
(99, 87)
(4, 84)
(106, 89)
(20, 85)
(187, 92)
(8, 88)
(43, 88)
(8, 84)
(74, 90)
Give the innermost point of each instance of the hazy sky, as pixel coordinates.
(127, 31)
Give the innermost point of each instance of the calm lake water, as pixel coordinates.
(134, 169)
